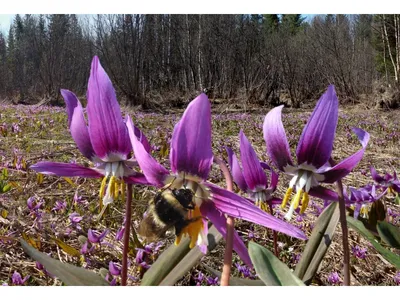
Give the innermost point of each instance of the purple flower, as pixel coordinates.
(60, 205)
(359, 252)
(17, 279)
(390, 183)
(313, 151)
(114, 269)
(199, 278)
(253, 179)
(75, 218)
(191, 158)
(334, 278)
(244, 270)
(104, 141)
(95, 236)
(396, 278)
(33, 204)
(212, 280)
(120, 234)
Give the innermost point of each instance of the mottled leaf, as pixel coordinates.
(318, 243)
(389, 233)
(67, 273)
(191, 258)
(270, 269)
(391, 257)
(234, 281)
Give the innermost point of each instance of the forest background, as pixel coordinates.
(166, 59)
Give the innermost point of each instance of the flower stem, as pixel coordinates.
(230, 225)
(128, 215)
(275, 235)
(345, 234)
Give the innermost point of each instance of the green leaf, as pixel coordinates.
(389, 233)
(318, 243)
(391, 257)
(270, 269)
(191, 258)
(67, 273)
(234, 281)
(165, 263)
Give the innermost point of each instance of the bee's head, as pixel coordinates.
(185, 197)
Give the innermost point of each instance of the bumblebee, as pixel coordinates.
(169, 209)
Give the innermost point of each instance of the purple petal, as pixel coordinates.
(238, 207)
(323, 193)
(137, 178)
(114, 269)
(375, 176)
(154, 172)
(252, 171)
(219, 221)
(107, 129)
(142, 138)
(77, 124)
(236, 171)
(276, 140)
(346, 166)
(65, 170)
(274, 180)
(274, 200)
(191, 140)
(316, 142)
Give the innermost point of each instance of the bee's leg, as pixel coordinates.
(179, 227)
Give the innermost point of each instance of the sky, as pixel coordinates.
(5, 21)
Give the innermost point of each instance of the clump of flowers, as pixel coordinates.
(359, 252)
(334, 278)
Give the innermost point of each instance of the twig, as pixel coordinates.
(230, 224)
(128, 215)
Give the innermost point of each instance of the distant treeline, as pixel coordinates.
(260, 59)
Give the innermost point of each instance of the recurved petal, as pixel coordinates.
(236, 171)
(65, 170)
(323, 193)
(142, 138)
(274, 180)
(375, 176)
(154, 172)
(237, 207)
(137, 178)
(107, 128)
(276, 140)
(346, 166)
(252, 171)
(316, 142)
(219, 221)
(77, 124)
(191, 140)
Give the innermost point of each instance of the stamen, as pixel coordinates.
(123, 187)
(294, 205)
(296, 200)
(286, 198)
(116, 189)
(102, 189)
(304, 202)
